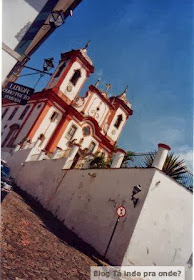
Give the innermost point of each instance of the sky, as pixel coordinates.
(145, 44)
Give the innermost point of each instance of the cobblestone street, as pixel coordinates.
(37, 246)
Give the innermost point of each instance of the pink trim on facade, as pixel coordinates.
(121, 151)
(161, 145)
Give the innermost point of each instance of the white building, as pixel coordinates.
(25, 27)
(58, 118)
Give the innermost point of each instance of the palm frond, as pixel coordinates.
(148, 160)
(128, 157)
(173, 166)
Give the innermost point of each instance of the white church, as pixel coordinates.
(57, 118)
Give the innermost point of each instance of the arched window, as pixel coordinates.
(75, 77)
(91, 147)
(13, 114)
(118, 121)
(5, 112)
(24, 112)
(71, 132)
(54, 116)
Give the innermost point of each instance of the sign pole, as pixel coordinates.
(121, 212)
(111, 237)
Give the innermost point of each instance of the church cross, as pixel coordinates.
(108, 86)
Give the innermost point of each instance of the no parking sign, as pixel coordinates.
(121, 211)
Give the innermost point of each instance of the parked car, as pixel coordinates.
(6, 187)
(7, 182)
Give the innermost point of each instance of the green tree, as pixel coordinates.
(127, 158)
(173, 166)
(99, 161)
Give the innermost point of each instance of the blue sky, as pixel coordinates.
(147, 45)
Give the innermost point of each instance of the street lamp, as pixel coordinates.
(48, 64)
(56, 18)
(136, 189)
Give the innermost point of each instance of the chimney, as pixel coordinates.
(161, 156)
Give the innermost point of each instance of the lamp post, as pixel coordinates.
(136, 189)
(56, 18)
(48, 64)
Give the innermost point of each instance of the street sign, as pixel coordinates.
(121, 211)
(17, 93)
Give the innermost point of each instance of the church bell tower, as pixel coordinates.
(71, 73)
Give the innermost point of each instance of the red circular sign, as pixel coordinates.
(121, 211)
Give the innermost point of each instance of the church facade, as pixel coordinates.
(59, 118)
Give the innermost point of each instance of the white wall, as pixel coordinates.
(16, 14)
(79, 103)
(30, 121)
(91, 110)
(163, 234)
(8, 63)
(6, 122)
(157, 231)
(14, 160)
(47, 127)
(88, 204)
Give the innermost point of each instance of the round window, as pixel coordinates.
(86, 130)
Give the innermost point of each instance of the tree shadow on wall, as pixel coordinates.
(56, 227)
(37, 5)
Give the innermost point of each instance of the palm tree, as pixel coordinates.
(99, 161)
(173, 166)
(128, 157)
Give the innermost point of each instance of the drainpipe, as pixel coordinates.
(118, 158)
(161, 156)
